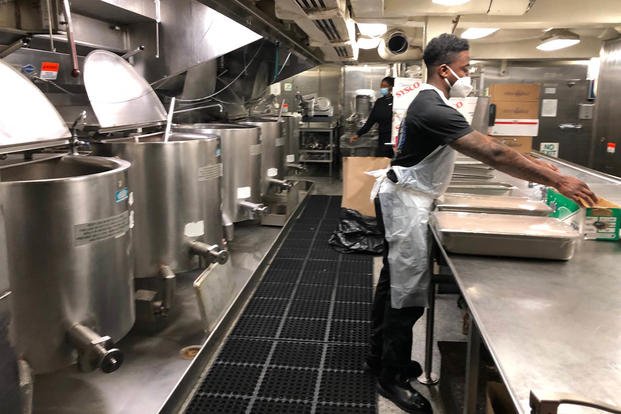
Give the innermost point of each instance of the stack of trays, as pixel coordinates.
(469, 169)
(505, 235)
(493, 205)
(478, 187)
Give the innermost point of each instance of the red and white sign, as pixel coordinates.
(611, 148)
(465, 106)
(515, 127)
(404, 92)
(49, 70)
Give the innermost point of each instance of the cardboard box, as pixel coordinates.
(498, 400)
(522, 145)
(515, 92)
(600, 222)
(357, 185)
(516, 109)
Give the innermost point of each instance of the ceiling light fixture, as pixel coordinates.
(556, 39)
(450, 2)
(372, 29)
(478, 32)
(366, 42)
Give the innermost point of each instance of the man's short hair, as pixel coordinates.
(389, 80)
(441, 50)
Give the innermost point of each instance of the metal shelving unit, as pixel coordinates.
(318, 143)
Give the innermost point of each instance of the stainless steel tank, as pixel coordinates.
(241, 162)
(176, 194)
(291, 134)
(273, 152)
(69, 259)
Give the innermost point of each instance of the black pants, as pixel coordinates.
(391, 329)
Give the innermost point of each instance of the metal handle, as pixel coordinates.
(169, 280)
(282, 183)
(550, 402)
(570, 126)
(134, 52)
(94, 351)
(71, 39)
(210, 251)
(254, 207)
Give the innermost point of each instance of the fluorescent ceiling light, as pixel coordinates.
(556, 39)
(372, 29)
(478, 32)
(365, 42)
(450, 2)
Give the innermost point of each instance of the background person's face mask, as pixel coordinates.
(462, 86)
(384, 91)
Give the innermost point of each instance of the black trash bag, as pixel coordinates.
(357, 234)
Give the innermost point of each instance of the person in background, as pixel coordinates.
(381, 114)
(430, 137)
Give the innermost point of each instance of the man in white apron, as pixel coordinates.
(419, 173)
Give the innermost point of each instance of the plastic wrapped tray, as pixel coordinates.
(481, 188)
(471, 203)
(504, 235)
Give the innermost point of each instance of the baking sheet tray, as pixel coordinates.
(504, 235)
(493, 205)
(481, 188)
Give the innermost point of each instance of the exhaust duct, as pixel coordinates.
(397, 46)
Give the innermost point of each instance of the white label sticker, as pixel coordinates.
(272, 172)
(288, 87)
(243, 192)
(194, 229)
(103, 229)
(280, 142)
(550, 91)
(291, 158)
(210, 172)
(255, 149)
(549, 107)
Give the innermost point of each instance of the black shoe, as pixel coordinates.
(404, 396)
(373, 366)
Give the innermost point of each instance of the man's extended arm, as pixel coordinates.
(503, 158)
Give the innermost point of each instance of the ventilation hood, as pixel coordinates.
(327, 23)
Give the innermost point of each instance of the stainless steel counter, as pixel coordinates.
(550, 326)
(153, 364)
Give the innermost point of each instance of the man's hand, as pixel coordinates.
(353, 139)
(576, 190)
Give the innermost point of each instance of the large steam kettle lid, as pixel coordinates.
(28, 120)
(120, 97)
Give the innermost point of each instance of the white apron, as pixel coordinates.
(406, 206)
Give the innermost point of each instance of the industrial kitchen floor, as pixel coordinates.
(153, 363)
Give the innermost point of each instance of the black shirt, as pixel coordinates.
(382, 114)
(429, 123)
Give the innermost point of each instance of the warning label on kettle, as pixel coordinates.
(103, 229)
(49, 70)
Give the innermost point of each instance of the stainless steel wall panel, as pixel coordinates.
(607, 111)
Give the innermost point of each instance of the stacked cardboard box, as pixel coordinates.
(517, 114)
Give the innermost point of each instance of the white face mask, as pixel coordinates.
(462, 86)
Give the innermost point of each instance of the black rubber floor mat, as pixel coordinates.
(289, 383)
(216, 404)
(309, 309)
(299, 346)
(297, 354)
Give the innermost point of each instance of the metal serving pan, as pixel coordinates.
(481, 188)
(471, 203)
(503, 235)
